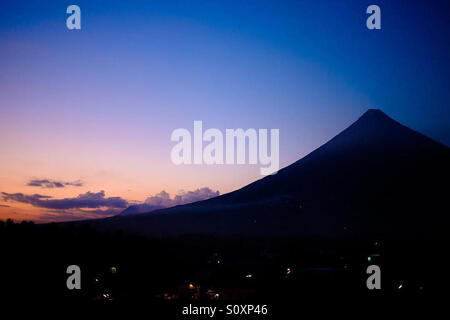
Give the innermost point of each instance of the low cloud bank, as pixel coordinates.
(163, 200)
(89, 199)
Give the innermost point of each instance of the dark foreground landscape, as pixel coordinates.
(122, 269)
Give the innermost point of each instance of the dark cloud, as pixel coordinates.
(4, 206)
(20, 197)
(49, 184)
(89, 200)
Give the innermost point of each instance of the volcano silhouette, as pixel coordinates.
(377, 177)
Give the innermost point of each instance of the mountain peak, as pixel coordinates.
(373, 111)
(375, 122)
(375, 131)
(375, 114)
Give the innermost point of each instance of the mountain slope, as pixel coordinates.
(376, 177)
(139, 208)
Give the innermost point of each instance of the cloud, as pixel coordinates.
(163, 199)
(4, 206)
(49, 184)
(89, 200)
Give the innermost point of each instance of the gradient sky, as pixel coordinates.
(98, 105)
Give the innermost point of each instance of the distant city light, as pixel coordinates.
(107, 296)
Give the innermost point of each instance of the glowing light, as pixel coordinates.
(107, 296)
(249, 275)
